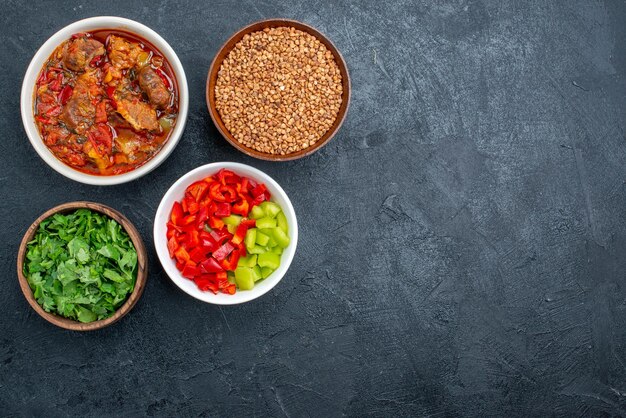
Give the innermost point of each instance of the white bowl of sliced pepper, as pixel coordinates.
(225, 233)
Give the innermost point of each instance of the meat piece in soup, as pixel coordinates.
(80, 52)
(80, 111)
(154, 87)
(123, 54)
(139, 114)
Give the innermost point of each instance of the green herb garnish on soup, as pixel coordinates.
(81, 265)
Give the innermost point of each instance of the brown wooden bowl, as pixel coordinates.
(140, 282)
(228, 46)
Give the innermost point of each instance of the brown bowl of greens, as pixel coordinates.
(82, 266)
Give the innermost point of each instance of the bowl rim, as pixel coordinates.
(160, 243)
(224, 50)
(42, 54)
(140, 280)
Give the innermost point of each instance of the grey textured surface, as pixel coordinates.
(462, 239)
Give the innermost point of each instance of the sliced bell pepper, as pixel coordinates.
(188, 220)
(198, 189)
(230, 263)
(172, 246)
(227, 177)
(223, 283)
(210, 265)
(56, 84)
(258, 190)
(240, 233)
(207, 241)
(202, 216)
(65, 95)
(219, 235)
(216, 223)
(190, 205)
(192, 238)
(223, 210)
(259, 199)
(96, 61)
(243, 186)
(182, 255)
(197, 255)
(241, 207)
(222, 252)
(190, 271)
(177, 214)
(222, 193)
(101, 139)
(206, 282)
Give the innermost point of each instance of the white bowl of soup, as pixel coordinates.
(104, 100)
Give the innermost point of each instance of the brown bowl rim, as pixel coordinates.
(225, 49)
(140, 281)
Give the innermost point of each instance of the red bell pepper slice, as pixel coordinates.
(198, 189)
(193, 238)
(215, 223)
(197, 255)
(221, 253)
(170, 224)
(110, 91)
(243, 185)
(206, 282)
(227, 177)
(182, 255)
(241, 207)
(240, 233)
(222, 193)
(219, 236)
(190, 205)
(252, 183)
(207, 241)
(223, 283)
(223, 210)
(190, 271)
(258, 200)
(215, 193)
(101, 139)
(56, 84)
(188, 220)
(202, 216)
(43, 77)
(230, 289)
(96, 61)
(230, 263)
(177, 214)
(65, 95)
(229, 193)
(210, 265)
(258, 190)
(172, 246)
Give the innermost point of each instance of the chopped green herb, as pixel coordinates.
(81, 265)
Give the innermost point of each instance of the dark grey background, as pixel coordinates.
(463, 238)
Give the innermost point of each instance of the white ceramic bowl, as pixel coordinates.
(94, 23)
(177, 192)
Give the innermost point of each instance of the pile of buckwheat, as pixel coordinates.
(279, 90)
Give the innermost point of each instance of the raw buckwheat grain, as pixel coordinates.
(279, 90)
